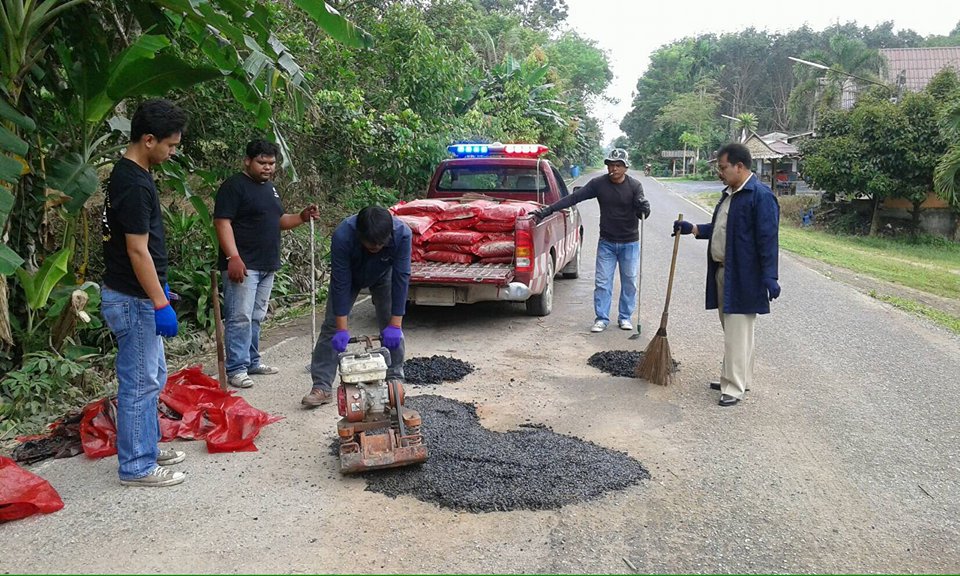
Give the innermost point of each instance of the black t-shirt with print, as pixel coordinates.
(132, 206)
(254, 211)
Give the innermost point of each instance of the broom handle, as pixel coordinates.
(673, 267)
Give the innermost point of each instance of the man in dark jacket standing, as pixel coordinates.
(621, 206)
(742, 264)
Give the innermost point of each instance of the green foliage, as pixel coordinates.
(47, 383)
(193, 257)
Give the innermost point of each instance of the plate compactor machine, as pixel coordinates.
(375, 430)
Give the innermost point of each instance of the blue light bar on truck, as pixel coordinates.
(470, 150)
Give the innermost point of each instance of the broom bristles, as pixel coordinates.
(657, 361)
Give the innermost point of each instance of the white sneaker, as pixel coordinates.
(598, 326)
(240, 380)
(158, 477)
(169, 457)
(626, 325)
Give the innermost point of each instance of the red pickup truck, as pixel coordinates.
(511, 172)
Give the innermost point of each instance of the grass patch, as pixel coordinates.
(948, 321)
(928, 267)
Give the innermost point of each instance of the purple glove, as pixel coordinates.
(773, 288)
(391, 337)
(682, 226)
(340, 340)
(166, 320)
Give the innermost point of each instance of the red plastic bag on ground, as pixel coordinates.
(457, 237)
(418, 223)
(438, 256)
(419, 207)
(493, 248)
(23, 493)
(191, 407)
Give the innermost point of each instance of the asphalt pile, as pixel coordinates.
(435, 369)
(620, 362)
(471, 468)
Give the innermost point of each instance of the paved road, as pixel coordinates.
(845, 457)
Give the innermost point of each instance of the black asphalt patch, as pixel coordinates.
(471, 468)
(620, 362)
(434, 370)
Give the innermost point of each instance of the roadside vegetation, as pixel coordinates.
(363, 99)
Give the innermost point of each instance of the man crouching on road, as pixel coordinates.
(368, 250)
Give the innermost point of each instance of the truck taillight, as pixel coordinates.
(342, 400)
(524, 250)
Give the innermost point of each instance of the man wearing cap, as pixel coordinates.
(621, 206)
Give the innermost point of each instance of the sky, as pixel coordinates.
(630, 30)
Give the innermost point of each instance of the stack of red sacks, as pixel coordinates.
(462, 232)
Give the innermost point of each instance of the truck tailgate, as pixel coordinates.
(449, 273)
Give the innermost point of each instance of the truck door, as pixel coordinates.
(568, 244)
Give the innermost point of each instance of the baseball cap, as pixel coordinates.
(617, 155)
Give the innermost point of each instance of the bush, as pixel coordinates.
(792, 208)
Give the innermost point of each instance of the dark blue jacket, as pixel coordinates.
(752, 254)
(353, 268)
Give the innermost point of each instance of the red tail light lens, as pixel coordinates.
(524, 250)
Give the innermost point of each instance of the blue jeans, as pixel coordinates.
(142, 374)
(609, 255)
(325, 360)
(246, 307)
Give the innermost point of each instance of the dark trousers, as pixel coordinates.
(324, 363)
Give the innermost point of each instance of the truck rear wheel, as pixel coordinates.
(572, 269)
(542, 304)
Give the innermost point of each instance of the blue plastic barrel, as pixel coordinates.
(575, 171)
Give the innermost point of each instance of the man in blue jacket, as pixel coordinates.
(368, 250)
(742, 264)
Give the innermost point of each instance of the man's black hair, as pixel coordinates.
(375, 225)
(736, 153)
(261, 147)
(159, 117)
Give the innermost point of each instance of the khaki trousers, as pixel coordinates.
(736, 375)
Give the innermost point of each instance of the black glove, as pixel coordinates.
(643, 210)
(539, 215)
(682, 226)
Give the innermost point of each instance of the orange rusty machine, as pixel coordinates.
(376, 431)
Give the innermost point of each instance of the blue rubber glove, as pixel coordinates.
(340, 340)
(391, 337)
(773, 288)
(166, 320)
(682, 226)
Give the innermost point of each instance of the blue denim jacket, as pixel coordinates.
(353, 268)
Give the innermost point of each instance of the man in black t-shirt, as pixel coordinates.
(135, 298)
(248, 217)
(621, 206)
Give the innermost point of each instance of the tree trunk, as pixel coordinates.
(6, 337)
(915, 216)
(875, 219)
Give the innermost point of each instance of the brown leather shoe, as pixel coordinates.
(317, 397)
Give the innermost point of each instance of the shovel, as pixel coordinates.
(639, 282)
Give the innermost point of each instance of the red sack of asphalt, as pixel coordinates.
(496, 236)
(191, 407)
(495, 225)
(460, 211)
(458, 248)
(508, 211)
(23, 493)
(494, 248)
(416, 254)
(454, 257)
(418, 223)
(419, 207)
(467, 237)
(497, 260)
(461, 224)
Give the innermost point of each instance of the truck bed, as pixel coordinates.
(451, 273)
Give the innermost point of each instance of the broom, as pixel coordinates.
(657, 363)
